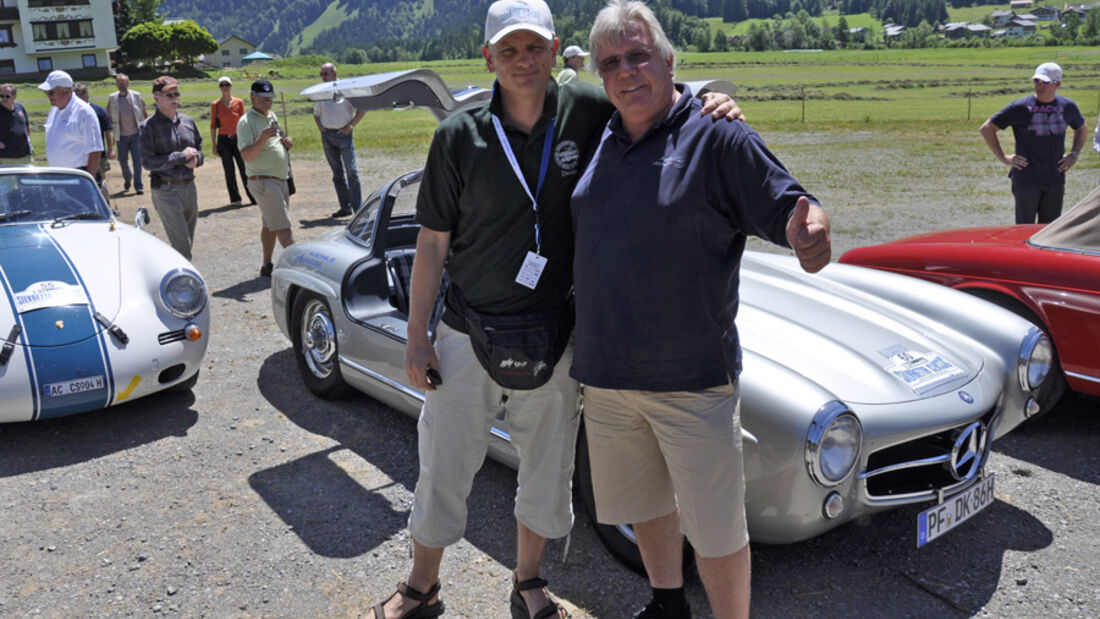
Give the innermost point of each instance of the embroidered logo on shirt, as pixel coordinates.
(567, 155)
(670, 162)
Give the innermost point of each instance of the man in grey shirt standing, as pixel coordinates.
(126, 109)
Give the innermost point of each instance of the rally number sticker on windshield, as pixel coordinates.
(923, 372)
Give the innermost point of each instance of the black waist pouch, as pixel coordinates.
(519, 351)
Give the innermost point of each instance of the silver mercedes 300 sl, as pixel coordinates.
(862, 391)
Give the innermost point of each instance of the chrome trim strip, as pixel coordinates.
(1091, 379)
(924, 495)
(393, 384)
(501, 434)
(906, 465)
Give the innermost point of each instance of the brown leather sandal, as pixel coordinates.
(423, 611)
(519, 605)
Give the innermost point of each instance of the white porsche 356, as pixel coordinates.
(93, 312)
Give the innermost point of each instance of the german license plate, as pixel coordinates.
(953, 511)
(69, 387)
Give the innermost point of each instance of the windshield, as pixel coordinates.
(1075, 230)
(49, 196)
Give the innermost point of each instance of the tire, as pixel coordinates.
(186, 385)
(315, 347)
(1054, 386)
(618, 539)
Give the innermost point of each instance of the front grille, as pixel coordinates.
(172, 336)
(926, 465)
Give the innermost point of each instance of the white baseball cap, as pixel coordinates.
(225, 80)
(56, 79)
(574, 50)
(508, 16)
(1048, 72)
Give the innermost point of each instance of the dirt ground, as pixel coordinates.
(250, 497)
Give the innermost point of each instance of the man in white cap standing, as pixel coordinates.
(1038, 167)
(573, 57)
(73, 139)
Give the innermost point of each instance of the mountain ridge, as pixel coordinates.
(386, 30)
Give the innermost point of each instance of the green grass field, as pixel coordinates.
(780, 92)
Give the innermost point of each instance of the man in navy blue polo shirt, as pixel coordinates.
(660, 395)
(1038, 167)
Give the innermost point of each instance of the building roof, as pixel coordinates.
(233, 36)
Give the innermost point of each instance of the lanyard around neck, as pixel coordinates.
(507, 146)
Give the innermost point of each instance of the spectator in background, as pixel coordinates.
(266, 152)
(225, 113)
(171, 148)
(15, 130)
(126, 109)
(81, 90)
(336, 120)
(1038, 167)
(573, 57)
(73, 139)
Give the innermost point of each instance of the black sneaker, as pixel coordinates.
(138, 191)
(265, 270)
(126, 186)
(344, 212)
(655, 610)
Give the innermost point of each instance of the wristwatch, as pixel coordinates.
(1075, 154)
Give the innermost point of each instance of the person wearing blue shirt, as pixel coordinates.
(655, 270)
(1039, 165)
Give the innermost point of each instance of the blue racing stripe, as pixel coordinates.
(83, 355)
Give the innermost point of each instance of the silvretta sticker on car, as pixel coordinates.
(69, 387)
(923, 372)
(953, 511)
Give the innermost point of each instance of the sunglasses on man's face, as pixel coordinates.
(170, 95)
(6, 96)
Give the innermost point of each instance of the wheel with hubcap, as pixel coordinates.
(315, 347)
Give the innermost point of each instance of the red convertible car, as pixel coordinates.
(1047, 274)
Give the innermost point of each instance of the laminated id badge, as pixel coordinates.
(531, 270)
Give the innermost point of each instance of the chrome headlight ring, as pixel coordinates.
(1035, 361)
(183, 293)
(833, 444)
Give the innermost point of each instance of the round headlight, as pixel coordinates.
(833, 444)
(183, 293)
(1036, 360)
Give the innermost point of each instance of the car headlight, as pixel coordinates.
(1036, 360)
(833, 444)
(182, 293)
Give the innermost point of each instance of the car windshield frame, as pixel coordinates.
(1075, 231)
(49, 196)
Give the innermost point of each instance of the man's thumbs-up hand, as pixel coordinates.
(808, 234)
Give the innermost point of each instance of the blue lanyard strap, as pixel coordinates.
(543, 165)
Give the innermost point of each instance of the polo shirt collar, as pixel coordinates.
(549, 105)
(682, 106)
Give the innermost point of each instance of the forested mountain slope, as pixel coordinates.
(399, 29)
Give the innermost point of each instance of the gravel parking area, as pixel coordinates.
(251, 498)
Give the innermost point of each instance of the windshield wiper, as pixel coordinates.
(76, 216)
(7, 216)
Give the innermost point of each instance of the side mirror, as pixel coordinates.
(141, 218)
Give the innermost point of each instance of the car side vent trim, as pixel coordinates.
(172, 336)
